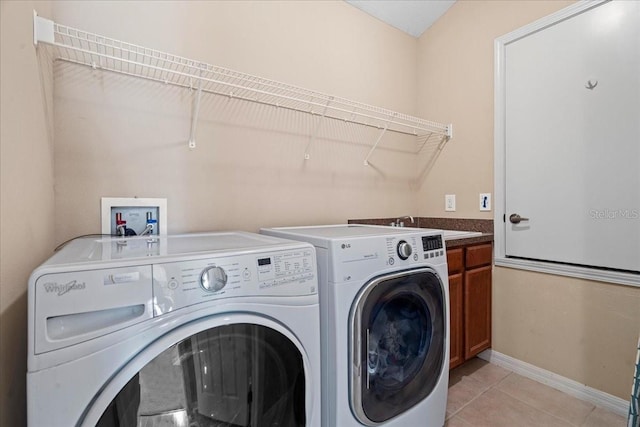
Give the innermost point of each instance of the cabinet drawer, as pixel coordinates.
(454, 260)
(478, 255)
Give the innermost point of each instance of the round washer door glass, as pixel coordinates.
(231, 375)
(398, 334)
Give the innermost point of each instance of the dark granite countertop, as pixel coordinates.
(485, 226)
(466, 241)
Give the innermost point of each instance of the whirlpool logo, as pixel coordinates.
(74, 285)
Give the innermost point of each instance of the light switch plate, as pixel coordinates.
(485, 201)
(450, 202)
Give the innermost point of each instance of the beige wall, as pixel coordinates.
(120, 137)
(455, 69)
(584, 330)
(26, 193)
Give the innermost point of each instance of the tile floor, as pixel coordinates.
(482, 394)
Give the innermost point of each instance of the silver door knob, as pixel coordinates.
(516, 219)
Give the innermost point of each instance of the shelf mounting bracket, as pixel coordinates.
(196, 112)
(307, 156)
(375, 145)
(42, 30)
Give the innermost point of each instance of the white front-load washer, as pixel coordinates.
(212, 329)
(384, 306)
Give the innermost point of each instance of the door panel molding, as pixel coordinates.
(500, 163)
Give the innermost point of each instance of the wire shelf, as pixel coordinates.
(99, 52)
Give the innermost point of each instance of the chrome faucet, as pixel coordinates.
(400, 223)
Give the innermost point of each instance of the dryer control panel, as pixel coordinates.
(356, 258)
(432, 246)
(282, 273)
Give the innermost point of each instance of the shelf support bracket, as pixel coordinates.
(448, 134)
(426, 138)
(194, 117)
(307, 156)
(42, 30)
(375, 145)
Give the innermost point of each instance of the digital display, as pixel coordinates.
(264, 261)
(430, 243)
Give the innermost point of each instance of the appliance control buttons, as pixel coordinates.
(173, 284)
(404, 249)
(391, 260)
(415, 257)
(213, 279)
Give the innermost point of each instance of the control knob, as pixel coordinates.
(212, 279)
(404, 249)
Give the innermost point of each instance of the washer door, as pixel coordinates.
(229, 375)
(397, 344)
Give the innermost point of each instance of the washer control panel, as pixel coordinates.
(281, 273)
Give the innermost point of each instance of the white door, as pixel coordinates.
(572, 132)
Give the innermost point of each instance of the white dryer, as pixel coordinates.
(384, 306)
(216, 329)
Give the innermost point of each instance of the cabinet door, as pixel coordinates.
(456, 352)
(455, 260)
(477, 314)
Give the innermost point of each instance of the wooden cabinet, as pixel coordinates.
(469, 301)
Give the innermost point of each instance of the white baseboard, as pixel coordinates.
(564, 384)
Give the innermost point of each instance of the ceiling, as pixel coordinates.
(411, 16)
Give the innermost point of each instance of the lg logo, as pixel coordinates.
(346, 245)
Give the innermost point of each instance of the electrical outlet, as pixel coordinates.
(450, 202)
(485, 201)
(132, 216)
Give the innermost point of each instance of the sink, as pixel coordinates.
(454, 234)
(457, 234)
